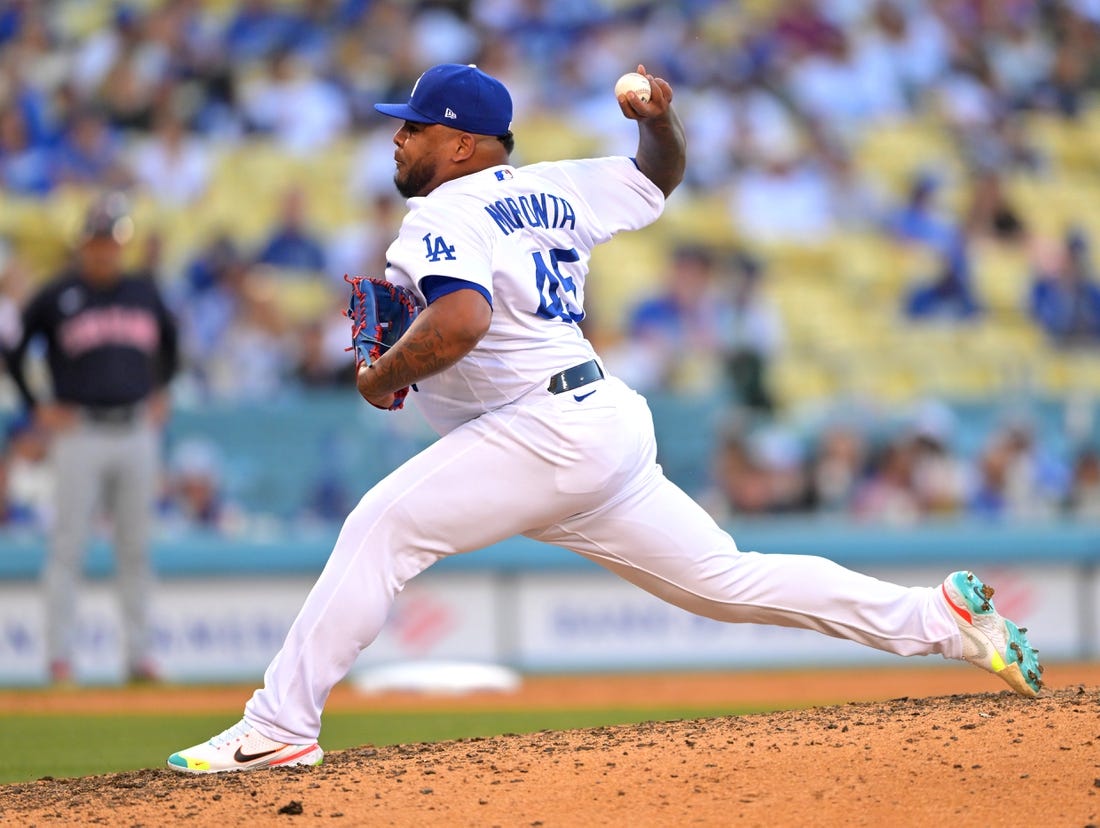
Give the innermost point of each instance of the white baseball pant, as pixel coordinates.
(582, 475)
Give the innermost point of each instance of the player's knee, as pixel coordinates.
(386, 531)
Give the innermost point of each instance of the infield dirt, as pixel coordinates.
(985, 758)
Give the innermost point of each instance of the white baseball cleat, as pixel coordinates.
(991, 641)
(242, 748)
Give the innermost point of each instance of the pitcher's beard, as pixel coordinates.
(415, 180)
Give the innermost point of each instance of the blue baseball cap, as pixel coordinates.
(458, 96)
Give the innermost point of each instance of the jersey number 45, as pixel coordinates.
(557, 292)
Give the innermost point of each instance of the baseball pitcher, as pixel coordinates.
(478, 314)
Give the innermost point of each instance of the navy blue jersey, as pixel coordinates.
(105, 346)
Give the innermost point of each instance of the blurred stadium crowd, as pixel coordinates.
(890, 204)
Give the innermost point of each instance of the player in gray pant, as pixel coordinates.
(110, 347)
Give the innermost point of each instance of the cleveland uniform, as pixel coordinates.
(109, 349)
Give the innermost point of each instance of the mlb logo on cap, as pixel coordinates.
(458, 96)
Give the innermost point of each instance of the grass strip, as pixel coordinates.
(65, 745)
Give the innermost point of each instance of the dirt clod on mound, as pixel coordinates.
(857, 764)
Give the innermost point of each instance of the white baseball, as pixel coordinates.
(633, 82)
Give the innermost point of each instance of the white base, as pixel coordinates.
(437, 677)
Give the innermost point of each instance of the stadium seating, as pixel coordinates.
(839, 298)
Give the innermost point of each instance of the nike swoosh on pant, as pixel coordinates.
(583, 397)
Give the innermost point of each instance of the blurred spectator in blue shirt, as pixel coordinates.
(329, 495)
(675, 335)
(990, 496)
(671, 313)
(89, 153)
(1018, 478)
(949, 295)
(258, 29)
(12, 15)
(29, 73)
(25, 168)
(1065, 296)
(26, 476)
(208, 304)
(918, 219)
(292, 245)
(206, 270)
(314, 32)
(194, 489)
(350, 12)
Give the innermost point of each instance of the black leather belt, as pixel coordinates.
(575, 377)
(112, 414)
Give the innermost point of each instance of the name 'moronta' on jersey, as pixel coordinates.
(523, 237)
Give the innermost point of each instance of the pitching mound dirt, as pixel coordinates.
(978, 759)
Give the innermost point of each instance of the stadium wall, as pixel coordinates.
(222, 606)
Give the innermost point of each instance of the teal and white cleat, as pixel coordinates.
(242, 748)
(990, 641)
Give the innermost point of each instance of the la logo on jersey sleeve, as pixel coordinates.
(437, 248)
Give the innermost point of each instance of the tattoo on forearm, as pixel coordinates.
(421, 352)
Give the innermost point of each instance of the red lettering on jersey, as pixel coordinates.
(102, 327)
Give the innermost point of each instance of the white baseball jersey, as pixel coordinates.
(524, 236)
